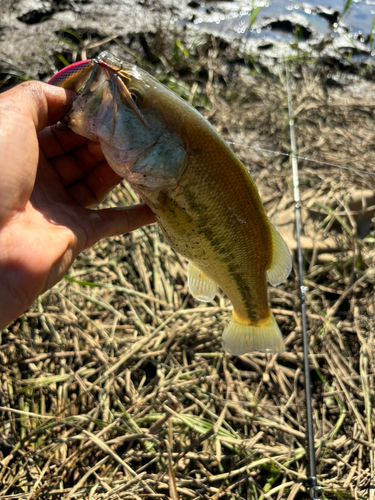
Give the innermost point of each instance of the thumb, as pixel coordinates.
(25, 109)
(44, 104)
(114, 221)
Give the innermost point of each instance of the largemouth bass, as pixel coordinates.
(203, 198)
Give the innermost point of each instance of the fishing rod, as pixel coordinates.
(315, 489)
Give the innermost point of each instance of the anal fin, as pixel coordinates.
(201, 286)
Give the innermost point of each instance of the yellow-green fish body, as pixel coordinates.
(202, 196)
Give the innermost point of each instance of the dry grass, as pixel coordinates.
(114, 384)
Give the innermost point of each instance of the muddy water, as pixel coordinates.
(285, 28)
(321, 17)
(31, 40)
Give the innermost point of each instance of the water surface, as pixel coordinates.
(318, 18)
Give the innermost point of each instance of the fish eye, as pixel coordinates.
(136, 97)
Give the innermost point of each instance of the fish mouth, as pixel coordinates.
(119, 76)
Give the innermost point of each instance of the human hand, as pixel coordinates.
(47, 181)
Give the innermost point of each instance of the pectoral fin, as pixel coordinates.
(201, 286)
(281, 262)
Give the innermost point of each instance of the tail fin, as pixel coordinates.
(240, 337)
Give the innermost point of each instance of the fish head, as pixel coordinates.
(135, 120)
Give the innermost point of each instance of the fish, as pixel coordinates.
(203, 197)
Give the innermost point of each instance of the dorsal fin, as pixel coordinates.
(281, 261)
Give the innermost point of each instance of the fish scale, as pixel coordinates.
(232, 248)
(204, 199)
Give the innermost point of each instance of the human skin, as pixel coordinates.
(49, 177)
